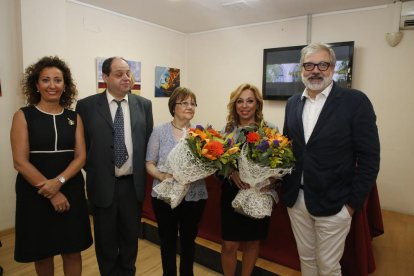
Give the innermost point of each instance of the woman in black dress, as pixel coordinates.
(244, 109)
(48, 153)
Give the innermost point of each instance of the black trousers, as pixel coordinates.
(183, 219)
(116, 230)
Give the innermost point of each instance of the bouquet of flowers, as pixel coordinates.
(266, 153)
(199, 154)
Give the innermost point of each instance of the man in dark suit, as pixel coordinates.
(116, 121)
(337, 151)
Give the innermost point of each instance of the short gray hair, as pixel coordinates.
(317, 46)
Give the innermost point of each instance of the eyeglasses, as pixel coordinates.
(186, 104)
(322, 66)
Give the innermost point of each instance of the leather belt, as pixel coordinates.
(121, 177)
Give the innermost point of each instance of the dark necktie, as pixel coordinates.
(120, 150)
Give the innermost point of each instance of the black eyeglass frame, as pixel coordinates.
(322, 63)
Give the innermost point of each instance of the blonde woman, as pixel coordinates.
(244, 109)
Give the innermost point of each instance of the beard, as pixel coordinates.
(316, 82)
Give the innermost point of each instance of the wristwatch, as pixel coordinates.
(62, 179)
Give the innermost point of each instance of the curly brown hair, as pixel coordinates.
(232, 116)
(31, 78)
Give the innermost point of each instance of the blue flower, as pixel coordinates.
(263, 146)
(276, 143)
(229, 142)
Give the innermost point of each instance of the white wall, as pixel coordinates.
(43, 29)
(219, 61)
(212, 64)
(10, 68)
(92, 33)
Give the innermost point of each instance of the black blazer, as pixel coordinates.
(341, 160)
(98, 124)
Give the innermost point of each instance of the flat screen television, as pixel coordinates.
(282, 71)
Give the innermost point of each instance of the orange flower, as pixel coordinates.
(214, 132)
(198, 132)
(253, 137)
(212, 150)
(268, 132)
(283, 140)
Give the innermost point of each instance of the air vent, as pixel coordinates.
(407, 15)
(409, 23)
(236, 5)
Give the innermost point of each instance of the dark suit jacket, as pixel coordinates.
(98, 124)
(341, 160)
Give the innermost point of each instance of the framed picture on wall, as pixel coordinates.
(135, 67)
(166, 80)
(1, 93)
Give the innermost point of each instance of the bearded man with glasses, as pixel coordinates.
(337, 151)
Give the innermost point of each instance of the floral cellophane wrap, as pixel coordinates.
(185, 168)
(252, 202)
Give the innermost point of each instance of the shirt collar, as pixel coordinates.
(111, 98)
(324, 92)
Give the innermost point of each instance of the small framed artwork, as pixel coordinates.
(166, 80)
(1, 93)
(134, 66)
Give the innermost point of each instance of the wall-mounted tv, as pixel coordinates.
(282, 71)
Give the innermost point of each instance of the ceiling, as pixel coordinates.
(191, 16)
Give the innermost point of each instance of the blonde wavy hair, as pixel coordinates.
(233, 119)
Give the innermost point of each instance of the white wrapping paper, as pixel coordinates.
(252, 202)
(185, 168)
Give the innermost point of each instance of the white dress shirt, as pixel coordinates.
(312, 110)
(127, 167)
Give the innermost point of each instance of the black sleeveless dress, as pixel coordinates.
(235, 226)
(42, 232)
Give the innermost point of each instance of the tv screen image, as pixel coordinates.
(282, 71)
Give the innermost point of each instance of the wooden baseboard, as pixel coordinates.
(6, 232)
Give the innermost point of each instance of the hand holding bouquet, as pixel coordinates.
(265, 154)
(201, 153)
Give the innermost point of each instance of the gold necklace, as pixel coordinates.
(176, 126)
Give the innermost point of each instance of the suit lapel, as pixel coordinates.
(328, 109)
(133, 110)
(103, 108)
(299, 111)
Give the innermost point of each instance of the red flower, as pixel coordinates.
(212, 150)
(253, 137)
